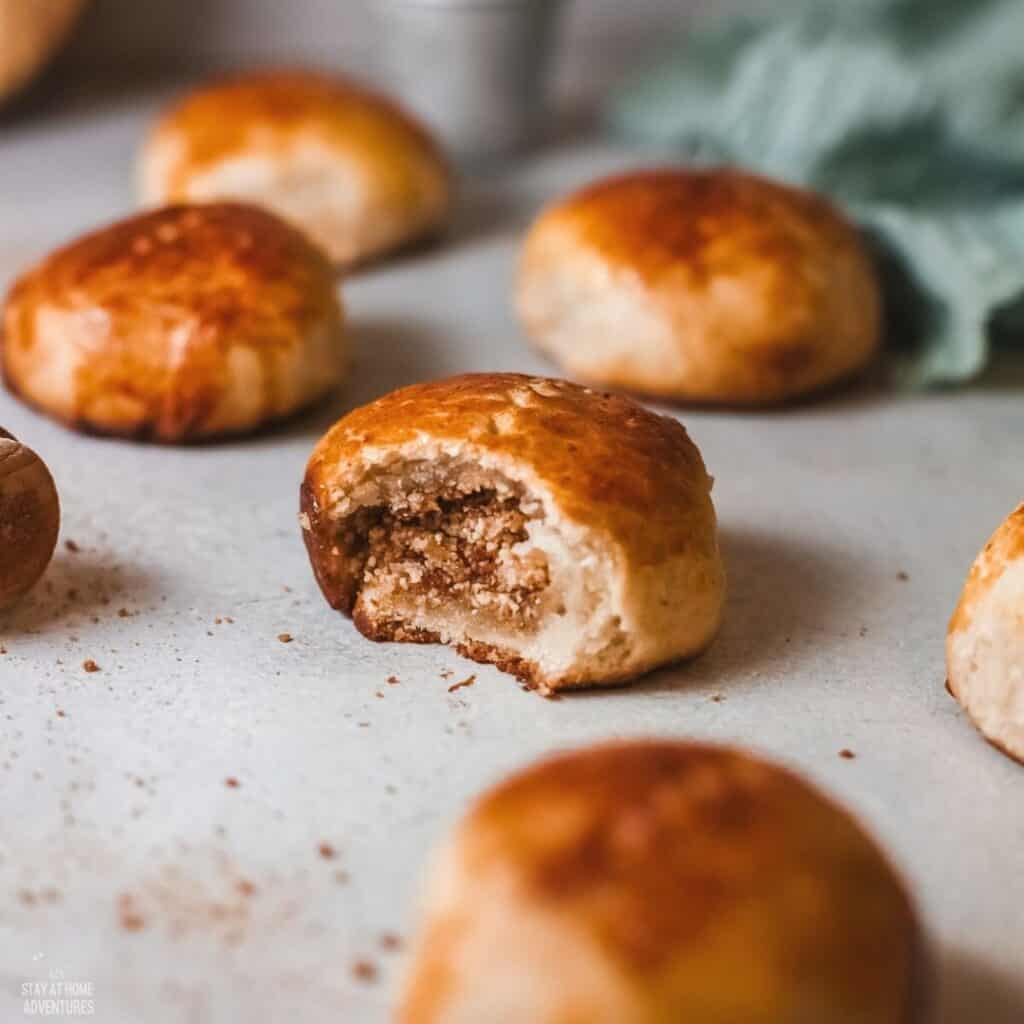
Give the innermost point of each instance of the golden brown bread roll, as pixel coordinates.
(30, 33)
(662, 883)
(985, 640)
(700, 285)
(565, 535)
(29, 519)
(346, 165)
(183, 324)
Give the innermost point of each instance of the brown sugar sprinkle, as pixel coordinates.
(390, 942)
(846, 754)
(327, 851)
(364, 970)
(468, 681)
(72, 546)
(90, 666)
(231, 782)
(285, 638)
(393, 680)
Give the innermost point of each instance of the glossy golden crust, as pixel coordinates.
(627, 473)
(152, 326)
(706, 285)
(294, 129)
(684, 882)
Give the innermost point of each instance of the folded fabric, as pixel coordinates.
(910, 113)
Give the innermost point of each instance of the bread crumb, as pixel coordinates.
(393, 680)
(364, 970)
(846, 754)
(285, 638)
(90, 666)
(468, 681)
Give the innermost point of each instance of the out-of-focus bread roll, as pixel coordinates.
(662, 883)
(30, 33)
(985, 640)
(345, 164)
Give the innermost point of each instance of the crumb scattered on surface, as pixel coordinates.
(72, 546)
(468, 681)
(131, 919)
(60, 713)
(717, 698)
(285, 638)
(863, 631)
(231, 782)
(904, 576)
(341, 877)
(245, 887)
(846, 754)
(364, 970)
(327, 851)
(393, 680)
(390, 942)
(90, 666)
(447, 674)
(123, 613)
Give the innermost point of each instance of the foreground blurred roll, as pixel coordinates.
(662, 883)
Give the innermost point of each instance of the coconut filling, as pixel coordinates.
(465, 556)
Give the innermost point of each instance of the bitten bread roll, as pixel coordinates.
(188, 323)
(662, 883)
(700, 285)
(564, 535)
(985, 640)
(30, 33)
(346, 165)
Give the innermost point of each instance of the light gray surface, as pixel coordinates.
(112, 785)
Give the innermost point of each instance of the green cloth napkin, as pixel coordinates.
(910, 113)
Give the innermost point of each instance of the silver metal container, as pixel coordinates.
(475, 70)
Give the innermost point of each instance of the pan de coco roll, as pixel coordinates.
(564, 535)
(662, 883)
(30, 33)
(183, 324)
(346, 165)
(985, 640)
(700, 285)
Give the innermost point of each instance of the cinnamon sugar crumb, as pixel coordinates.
(847, 755)
(327, 851)
(393, 680)
(285, 638)
(364, 970)
(90, 666)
